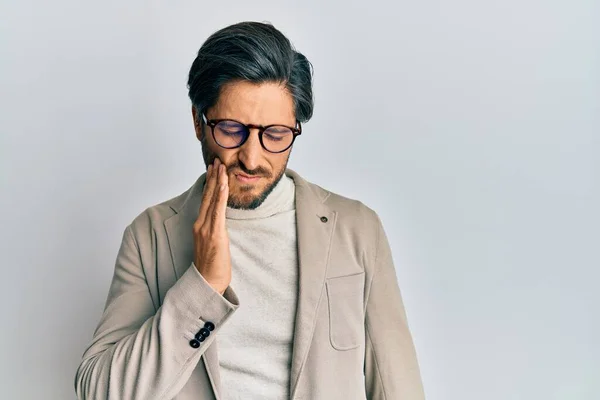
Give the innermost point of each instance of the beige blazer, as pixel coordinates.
(351, 338)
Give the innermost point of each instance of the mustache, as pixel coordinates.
(238, 166)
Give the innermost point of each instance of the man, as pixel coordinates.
(254, 283)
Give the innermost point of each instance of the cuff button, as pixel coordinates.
(195, 343)
(203, 332)
(210, 326)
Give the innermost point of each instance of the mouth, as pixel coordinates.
(247, 178)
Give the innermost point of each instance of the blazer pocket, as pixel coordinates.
(346, 319)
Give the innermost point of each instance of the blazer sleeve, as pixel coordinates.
(139, 351)
(391, 367)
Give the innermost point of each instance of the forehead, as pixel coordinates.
(255, 103)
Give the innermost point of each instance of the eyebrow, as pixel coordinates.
(294, 125)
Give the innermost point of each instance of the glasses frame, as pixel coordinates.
(261, 129)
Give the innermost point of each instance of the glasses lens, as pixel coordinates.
(230, 133)
(277, 138)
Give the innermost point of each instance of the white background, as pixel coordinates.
(471, 127)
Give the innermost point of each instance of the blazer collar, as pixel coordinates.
(315, 223)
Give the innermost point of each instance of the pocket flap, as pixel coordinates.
(346, 318)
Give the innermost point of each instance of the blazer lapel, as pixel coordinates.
(315, 226)
(179, 227)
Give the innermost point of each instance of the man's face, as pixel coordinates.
(249, 103)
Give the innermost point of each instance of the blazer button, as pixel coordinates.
(195, 343)
(210, 326)
(323, 219)
(203, 333)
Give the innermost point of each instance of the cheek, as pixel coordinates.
(279, 161)
(216, 151)
(229, 157)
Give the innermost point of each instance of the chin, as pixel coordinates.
(241, 199)
(248, 198)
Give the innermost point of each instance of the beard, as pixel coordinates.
(239, 200)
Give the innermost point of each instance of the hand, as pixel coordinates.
(211, 241)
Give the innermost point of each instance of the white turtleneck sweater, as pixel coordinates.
(255, 346)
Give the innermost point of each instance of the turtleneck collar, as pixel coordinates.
(282, 198)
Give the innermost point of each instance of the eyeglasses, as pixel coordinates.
(230, 134)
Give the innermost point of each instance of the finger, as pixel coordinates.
(212, 209)
(221, 203)
(205, 195)
(209, 188)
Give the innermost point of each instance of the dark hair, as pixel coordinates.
(255, 52)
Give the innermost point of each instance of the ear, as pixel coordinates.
(197, 124)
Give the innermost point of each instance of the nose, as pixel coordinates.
(251, 151)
